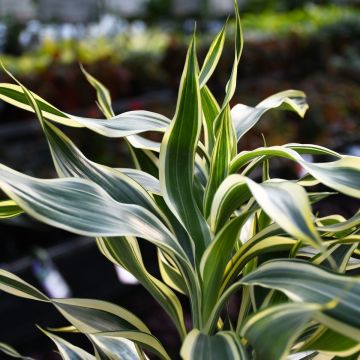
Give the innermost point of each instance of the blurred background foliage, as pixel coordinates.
(137, 49)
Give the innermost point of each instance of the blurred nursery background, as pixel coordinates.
(137, 49)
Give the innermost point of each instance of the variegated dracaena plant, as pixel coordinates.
(217, 231)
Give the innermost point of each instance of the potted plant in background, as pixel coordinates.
(217, 231)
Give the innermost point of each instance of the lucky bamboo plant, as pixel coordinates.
(219, 230)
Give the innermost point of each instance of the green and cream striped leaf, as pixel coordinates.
(140, 142)
(126, 253)
(92, 316)
(245, 117)
(312, 149)
(331, 342)
(239, 39)
(225, 137)
(237, 266)
(145, 160)
(147, 181)
(212, 57)
(338, 224)
(256, 246)
(342, 175)
(239, 42)
(103, 94)
(9, 209)
(71, 162)
(223, 153)
(230, 195)
(285, 202)
(214, 261)
(105, 106)
(66, 350)
(86, 315)
(142, 339)
(177, 156)
(125, 124)
(285, 323)
(211, 110)
(116, 349)
(288, 205)
(224, 345)
(81, 206)
(12, 284)
(306, 283)
(308, 149)
(171, 274)
(10, 351)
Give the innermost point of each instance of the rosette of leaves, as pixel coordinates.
(218, 229)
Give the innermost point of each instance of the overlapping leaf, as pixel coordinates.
(284, 322)
(82, 207)
(306, 283)
(145, 340)
(224, 345)
(245, 117)
(68, 351)
(125, 124)
(342, 175)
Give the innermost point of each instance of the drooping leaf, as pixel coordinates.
(307, 283)
(284, 322)
(82, 207)
(283, 201)
(125, 124)
(229, 196)
(342, 175)
(245, 117)
(331, 342)
(287, 204)
(91, 316)
(12, 284)
(147, 181)
(126, 253)
(70, 162)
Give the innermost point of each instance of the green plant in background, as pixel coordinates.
(217, 231)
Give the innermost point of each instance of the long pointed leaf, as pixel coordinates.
(82, 207)
(68, 351)
(177, 156)
(125, 124)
